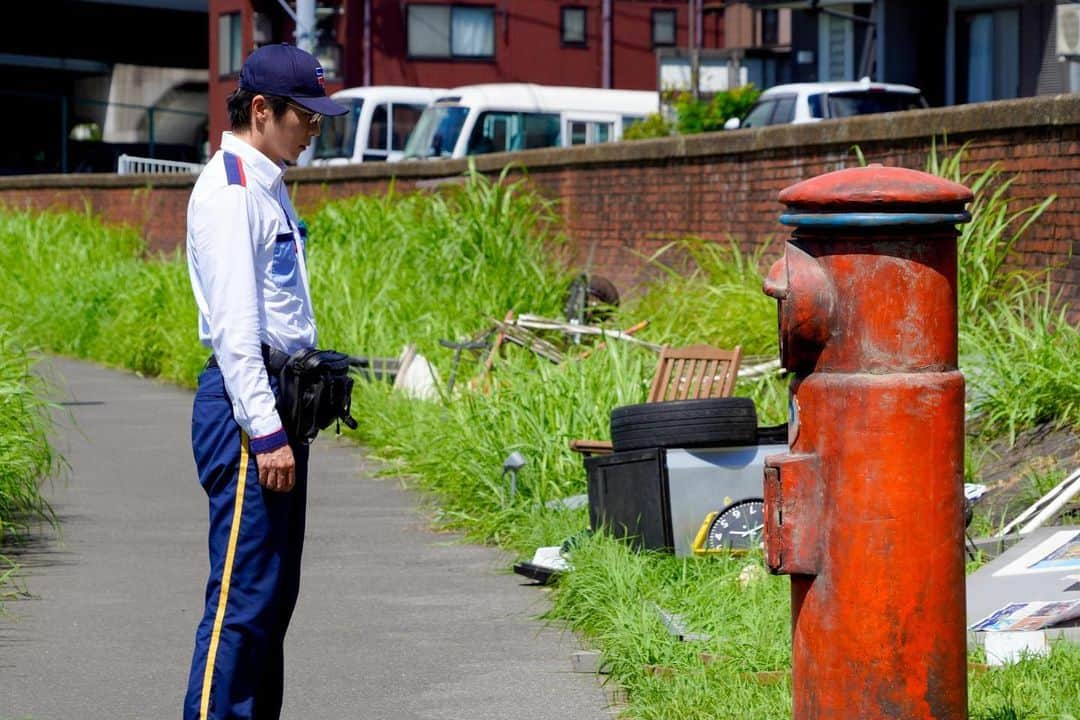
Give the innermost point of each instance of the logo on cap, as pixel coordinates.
(319, 78)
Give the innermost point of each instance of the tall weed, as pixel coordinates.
(1017, 347)
(79, 288)
(27, 458)
(416, 268)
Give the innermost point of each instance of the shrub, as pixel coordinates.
(696, 116)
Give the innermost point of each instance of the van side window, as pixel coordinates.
(540, 130)
(589, 133)
(377, 133)
(502, 131)
(404, 120)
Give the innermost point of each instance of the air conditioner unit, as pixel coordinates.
(1068, 30)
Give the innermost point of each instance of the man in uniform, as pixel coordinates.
(247, 265)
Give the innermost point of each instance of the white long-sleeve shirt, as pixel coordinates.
(247, 266)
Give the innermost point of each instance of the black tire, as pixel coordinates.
(714, 422)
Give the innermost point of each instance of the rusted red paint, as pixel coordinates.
(875, 189)
(865, 511)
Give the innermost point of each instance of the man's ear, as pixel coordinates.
(260, 109)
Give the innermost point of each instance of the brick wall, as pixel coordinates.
(623, 201)
(158, 207)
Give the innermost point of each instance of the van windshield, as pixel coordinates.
(436, 132)
(337, 134)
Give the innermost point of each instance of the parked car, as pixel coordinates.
(500, 117)
(811, 102)
(376, 127)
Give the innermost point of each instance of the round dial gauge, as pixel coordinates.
(739, 526)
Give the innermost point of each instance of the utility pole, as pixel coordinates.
(606, 42)
(695, 55)
(305, 25)
(304, 19)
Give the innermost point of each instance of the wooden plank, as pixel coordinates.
(678, 377)
(709, 384)
(592, 447)
(663, 369)
(689, 377)
(732, 371)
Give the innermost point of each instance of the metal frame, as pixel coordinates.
(1045, 507)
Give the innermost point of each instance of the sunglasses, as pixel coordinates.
(313, 118)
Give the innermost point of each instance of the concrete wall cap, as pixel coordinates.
(961, 121)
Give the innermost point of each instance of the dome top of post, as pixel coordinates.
(875, 189)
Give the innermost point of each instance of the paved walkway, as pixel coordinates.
(394, 622)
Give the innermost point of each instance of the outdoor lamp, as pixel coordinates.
(513, 462)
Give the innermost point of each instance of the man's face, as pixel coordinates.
(285, 137)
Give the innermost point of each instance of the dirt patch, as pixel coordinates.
(1012, 473)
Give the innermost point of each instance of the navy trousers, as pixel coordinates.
(256, 539)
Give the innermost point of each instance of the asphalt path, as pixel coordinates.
(394, 621)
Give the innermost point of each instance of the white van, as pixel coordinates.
(376, 127)
(500, 117)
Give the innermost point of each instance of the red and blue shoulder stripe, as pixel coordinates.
(234, 169)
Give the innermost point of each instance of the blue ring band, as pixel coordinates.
(873, 219)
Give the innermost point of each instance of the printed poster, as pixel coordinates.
(1017, 617)
(1059, 552)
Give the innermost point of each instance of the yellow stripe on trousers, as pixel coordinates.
(226, 578)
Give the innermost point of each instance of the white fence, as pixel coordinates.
(131, 165)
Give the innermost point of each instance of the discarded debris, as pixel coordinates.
(676, 625)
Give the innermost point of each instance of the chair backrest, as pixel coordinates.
(695, 372)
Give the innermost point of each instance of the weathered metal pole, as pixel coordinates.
(865, 511)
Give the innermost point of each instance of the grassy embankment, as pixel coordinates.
(26, 457)
(418, 268)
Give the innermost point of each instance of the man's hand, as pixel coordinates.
(277, 469)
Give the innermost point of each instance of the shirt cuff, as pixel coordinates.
(269, 442)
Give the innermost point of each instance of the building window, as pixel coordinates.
(573, 25)
(770, 27)
(988, 55)
(451, 31)
(230, 44)
(836, 46)
(663, 28)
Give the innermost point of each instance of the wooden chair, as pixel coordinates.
(688, 373)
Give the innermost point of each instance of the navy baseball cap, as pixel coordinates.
(287, 71)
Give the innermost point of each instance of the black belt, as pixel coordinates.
(275, 359)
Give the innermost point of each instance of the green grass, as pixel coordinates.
(416, 268)
(79, 288)
(1035, 688)
(612, 599)
(26, 456)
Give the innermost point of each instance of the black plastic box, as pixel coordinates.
(628, 494)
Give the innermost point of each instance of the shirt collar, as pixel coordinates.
(265, 170)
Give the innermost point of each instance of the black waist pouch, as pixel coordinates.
(315, 390)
